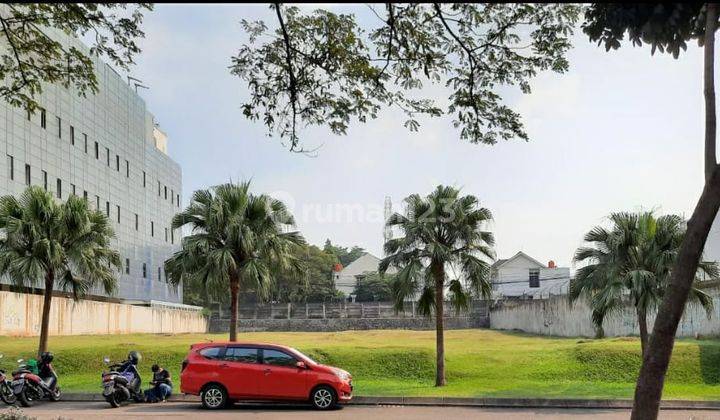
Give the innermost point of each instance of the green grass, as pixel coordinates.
(480, 363)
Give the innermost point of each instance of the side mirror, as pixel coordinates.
(301, 365)
(20, 360)
(106, 360)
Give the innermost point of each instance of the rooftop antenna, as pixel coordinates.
(137, 83)
(387, 232)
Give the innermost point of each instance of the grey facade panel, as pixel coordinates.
(117, 119)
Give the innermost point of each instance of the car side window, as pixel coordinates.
(277, 358)
(241, 354)
(210, 352)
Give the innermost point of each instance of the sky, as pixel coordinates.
(621, 130)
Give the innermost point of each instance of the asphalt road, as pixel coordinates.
(184, 410)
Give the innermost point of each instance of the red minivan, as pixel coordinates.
(222, 373)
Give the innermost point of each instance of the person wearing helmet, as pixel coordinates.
(130, 365)
(46, 371)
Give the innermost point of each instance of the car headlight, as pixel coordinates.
(343, 375)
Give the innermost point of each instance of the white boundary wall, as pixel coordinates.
(556, 317)
(20, 315)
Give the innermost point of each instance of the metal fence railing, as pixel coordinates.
(368, 310)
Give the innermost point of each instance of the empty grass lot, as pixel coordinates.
(480, 363)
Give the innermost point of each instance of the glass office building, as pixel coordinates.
(108, 148)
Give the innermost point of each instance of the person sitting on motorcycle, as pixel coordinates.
(130, 365)
(162, 385)
(46, 371)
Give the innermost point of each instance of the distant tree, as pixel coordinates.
(633, 259)
(446, 231)
(64, 245)
(325, 69)
(236, 238)
(667, 27)
(374, 288)
(343, 254)
(31, 57)
(312, 282)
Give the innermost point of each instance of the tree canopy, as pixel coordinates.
(327, 69)
(33, 57)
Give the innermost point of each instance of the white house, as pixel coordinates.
(524, 276)
(346, 279)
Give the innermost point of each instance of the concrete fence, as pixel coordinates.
(21, 313)
(344, 316)
(556, 316)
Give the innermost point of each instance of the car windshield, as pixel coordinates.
(296, 351)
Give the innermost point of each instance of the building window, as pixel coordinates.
(177, 200)
(144, 270)
(152, 229)
(172, 236)
(97, 202)
(73, 189)
(172, 197)
(117, 163)
(59, 188)
(107, 208)
(127, 265)
(137, 225)
(166, 234)
(144, 179)
(44, 180)
(118, 213)
(43, 118)
(159, 275)
(85, 195)
(85, 139)
(72, 135)
(29, 115)
(59, 123)
(11, 167)
(127, 169)
(107, 155)
(534, 277)
(27, 174)
(159, 189)
(97, 151)
(166, 192)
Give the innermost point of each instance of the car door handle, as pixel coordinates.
(267, 371)
(223, 365)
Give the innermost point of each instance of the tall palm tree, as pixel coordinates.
(64, 245)
(442, 233)
(236, 238)
(633, 260)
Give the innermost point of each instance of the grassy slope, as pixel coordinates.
(479, 362)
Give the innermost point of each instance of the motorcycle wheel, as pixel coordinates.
(6, 395)
(112, 399)
(55, 394)
(25, 400)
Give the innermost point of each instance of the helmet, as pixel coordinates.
(134, 357)
(46, 357)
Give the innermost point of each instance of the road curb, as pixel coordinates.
(472, 402)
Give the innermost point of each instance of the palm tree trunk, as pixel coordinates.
(234, 290)
(47, 303)
(642, 322)
(648, 390)
(439, 274)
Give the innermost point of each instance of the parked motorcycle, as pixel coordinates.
(122, 382)
(32, 382)
(6, 393)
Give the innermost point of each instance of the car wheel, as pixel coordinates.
(214, 397)
(323, 398)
